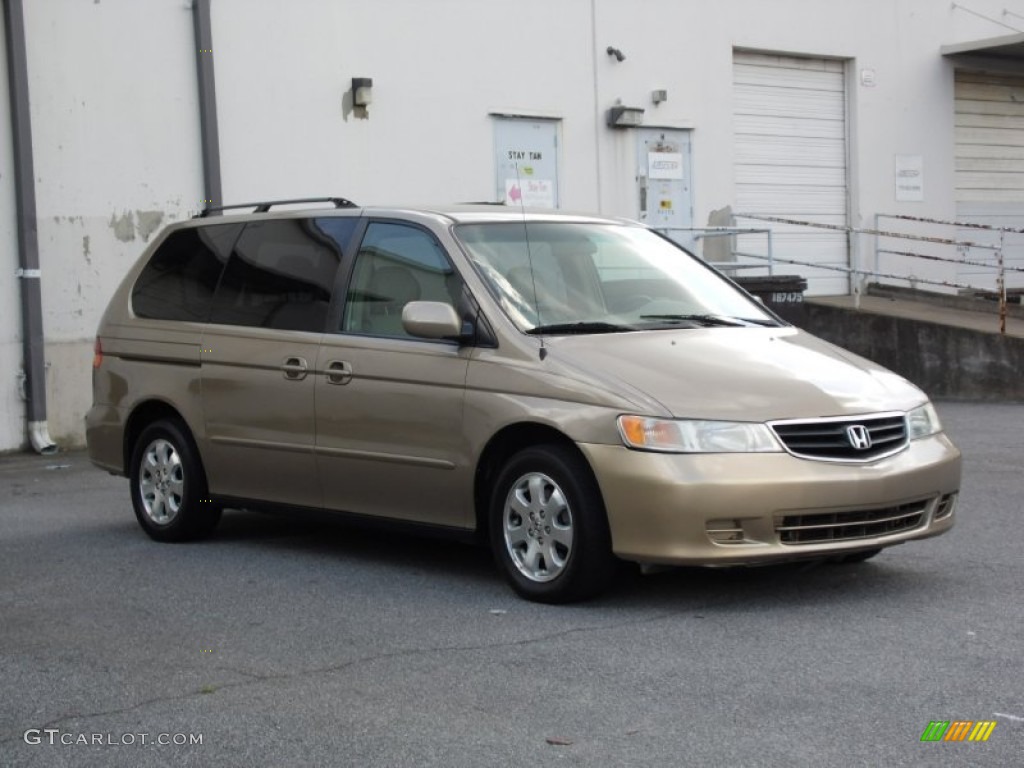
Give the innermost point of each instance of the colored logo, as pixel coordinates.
(958, 730)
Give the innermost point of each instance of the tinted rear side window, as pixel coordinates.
(179, 281)
(281, 274)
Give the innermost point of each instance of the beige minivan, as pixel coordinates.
(577, 390)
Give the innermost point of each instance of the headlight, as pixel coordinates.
(693, 436)
(923, 421)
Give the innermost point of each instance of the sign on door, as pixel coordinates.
(526, 155)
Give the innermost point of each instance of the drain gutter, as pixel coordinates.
(28, 272)
(208, 132)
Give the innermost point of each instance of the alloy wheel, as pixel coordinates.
(161, 482)
(538, 527)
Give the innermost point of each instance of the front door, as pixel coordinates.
(389, 406)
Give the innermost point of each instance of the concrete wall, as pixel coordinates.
(115, 118)
(943, 360)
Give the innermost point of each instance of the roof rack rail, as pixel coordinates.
(263, 207)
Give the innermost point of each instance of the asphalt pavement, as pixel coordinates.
(281, 642)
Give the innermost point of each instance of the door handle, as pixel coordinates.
(295, 368)
(339, 372)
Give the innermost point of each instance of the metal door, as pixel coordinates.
(665, 181)
(526, 159)
(790, 149)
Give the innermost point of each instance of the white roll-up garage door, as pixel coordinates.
(990, 169)
(789, 119)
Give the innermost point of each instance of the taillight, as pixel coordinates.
(97, 353)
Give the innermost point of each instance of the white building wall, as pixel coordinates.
(428, 137)
(116, 140)
(907, 111)
(117, 151)
(439, 70)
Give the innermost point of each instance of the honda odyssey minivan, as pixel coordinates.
(574, 390)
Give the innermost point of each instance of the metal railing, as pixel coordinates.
(701, 233)
(962, 248)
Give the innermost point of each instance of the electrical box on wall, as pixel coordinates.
(664, 181)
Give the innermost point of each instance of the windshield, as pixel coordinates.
(572, 277)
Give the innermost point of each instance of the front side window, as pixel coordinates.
(577, 277)
(396, 264)
(281, 274)
(179, 281)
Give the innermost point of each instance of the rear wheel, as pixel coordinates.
(548, 527)
(168, 485)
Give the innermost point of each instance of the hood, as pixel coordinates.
(742, 374)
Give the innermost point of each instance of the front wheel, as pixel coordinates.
(168, 485)
(548, 527)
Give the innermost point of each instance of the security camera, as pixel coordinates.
(619, 55)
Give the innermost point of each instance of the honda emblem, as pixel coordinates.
(859, 437)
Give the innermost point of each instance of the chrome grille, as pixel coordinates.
(817, 527)
(843, 439)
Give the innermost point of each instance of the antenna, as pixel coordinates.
(529, 259)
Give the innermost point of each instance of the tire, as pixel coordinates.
(858, 557)
(168, 484)
(548, 527)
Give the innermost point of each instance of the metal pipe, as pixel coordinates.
(1002, 268)
(209, 137)
(28, 272)
(597, 102)
(952, 223)
(856, 278)
(1001, 283)
(883, 233)
(878, 260)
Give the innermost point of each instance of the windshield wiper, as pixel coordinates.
(700, 320)
(712, 320)
(582, 327)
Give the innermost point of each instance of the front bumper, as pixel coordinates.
(734, 509)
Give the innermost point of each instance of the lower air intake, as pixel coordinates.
(848, 526)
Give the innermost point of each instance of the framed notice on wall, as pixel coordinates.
(909, 179)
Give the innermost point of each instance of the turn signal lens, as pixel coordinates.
(632, 430)
(97, 353)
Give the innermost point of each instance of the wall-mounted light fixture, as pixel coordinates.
(659, 96)
(362, 91)
(625, 117)
(613, 51)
